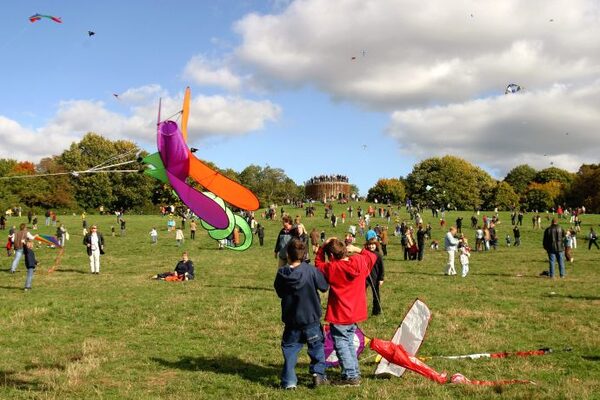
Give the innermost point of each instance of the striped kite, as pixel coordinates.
(37, 17)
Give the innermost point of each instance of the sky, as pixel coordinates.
(362, 88)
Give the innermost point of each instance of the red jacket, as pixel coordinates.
(347, 302)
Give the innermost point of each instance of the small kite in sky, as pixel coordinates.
(512, 88)
(37, 17)
(353, 58)
(116, 96)
(364, 146)
(91, 33)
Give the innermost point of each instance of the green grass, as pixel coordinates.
(121, 335)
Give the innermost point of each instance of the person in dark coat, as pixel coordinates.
(296, 284)
(375, 278)
(30, 264)
(554, 246)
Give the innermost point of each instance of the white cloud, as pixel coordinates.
(416, 53)
(559, 126)
(203, 71)
(209, 116)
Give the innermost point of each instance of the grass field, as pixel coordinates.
(121, 335)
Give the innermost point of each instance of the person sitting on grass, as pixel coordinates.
(296, 283)
(184, 270)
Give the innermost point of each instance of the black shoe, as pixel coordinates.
(319, 380)
(348, 382)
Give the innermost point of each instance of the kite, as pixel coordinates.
(37, 17)
(410, 335)
(428, 187)
(116, 96)
(512, 88)
(174, 163)
(331, 359)
(49, 240)
(90, 33)
(503, 354)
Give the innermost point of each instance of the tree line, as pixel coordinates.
(440, 181)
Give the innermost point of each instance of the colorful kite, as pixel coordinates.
(37, 17)
(174, 163)
(49, 240)
(331, 358)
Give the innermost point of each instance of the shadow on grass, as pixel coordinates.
(591, 358)
(77, 271)
(230, 365)
(11, 287)
(240, 287)
(8, 380)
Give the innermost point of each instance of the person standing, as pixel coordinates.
(154, 235)
(260, 232)
(94, 242)
(193, 227)
(284, 236)
(347, 300)
(421, 234)
(123, 226)
(375, 278)
(61, 233)
(554, 245)
(179, 238)
(451, 243)
(20, 238)
(384, 238)
(296, 284)
(592, 239)
(569, 246)
(517, 235)
(465, 254)
(314, 240)
(30, 264)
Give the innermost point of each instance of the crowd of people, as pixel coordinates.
(326, 178)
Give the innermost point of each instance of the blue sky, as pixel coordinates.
(304, 85)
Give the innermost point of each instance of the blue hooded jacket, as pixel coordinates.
(297, 287)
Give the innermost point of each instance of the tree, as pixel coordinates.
(270, 185)
(520, 177)
(502, 196)
(448, 180)
(387, 190)
(112, 190)
(554, 174)
(585, 189)
(543, 196)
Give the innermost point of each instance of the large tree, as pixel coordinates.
(387, 190)
(554, 174)
(520, 177)
(270, 185)
(447, 181)
(585, 189)
(111, 190)
(502, 196)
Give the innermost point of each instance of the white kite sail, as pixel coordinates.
(410, 335)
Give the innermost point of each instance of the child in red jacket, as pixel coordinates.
(347, 302)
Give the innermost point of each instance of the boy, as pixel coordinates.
(296, 284)
(30, 263)
(347, 302)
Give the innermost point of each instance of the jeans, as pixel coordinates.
(291, 344)
(552, 257)
(29, 278)
(343, 343)
(15, 263)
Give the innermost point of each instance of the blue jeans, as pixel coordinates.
(291, 344)
(15, 263)
(343, 343)
(29, 278)
(552, 257)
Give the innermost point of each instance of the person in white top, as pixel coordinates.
(451, 243)
(94, 242)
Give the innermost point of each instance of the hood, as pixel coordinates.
(296, 278)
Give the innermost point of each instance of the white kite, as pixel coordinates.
(410, 335)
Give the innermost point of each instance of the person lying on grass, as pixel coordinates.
(184, 270)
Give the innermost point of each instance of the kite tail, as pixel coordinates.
(460, 379)
(57, 260)
(396, 354)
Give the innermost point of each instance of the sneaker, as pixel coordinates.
(26, 289)
(349, 382)
(319, 380)
(290, 387)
